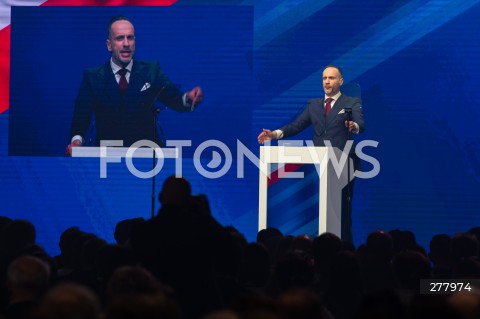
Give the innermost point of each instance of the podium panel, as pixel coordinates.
(139, 152)
(331, 172)
(292, 203)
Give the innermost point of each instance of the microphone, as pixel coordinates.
(348, 110)
(156, 138)
(157, 110)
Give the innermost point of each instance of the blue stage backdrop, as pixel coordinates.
(416, 61)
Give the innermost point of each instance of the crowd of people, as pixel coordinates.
(183, 264)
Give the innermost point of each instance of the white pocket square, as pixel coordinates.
(341, 111)
(145, 87)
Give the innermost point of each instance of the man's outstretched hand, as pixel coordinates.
(266, 135)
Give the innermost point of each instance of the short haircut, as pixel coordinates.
(336, 67)
(115, 19)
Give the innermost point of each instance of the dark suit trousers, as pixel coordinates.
(346, 228)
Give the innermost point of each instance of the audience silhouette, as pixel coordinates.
(183, 264)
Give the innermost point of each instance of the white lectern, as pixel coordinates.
(332, 171)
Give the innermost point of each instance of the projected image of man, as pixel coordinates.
(119, 95)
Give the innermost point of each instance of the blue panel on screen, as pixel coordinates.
(417, 61)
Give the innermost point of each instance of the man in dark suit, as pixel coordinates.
(121, 93)
(330, 122)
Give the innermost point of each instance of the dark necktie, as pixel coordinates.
(328, 106)
(123, 84)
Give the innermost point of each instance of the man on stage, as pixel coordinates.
(329, 117)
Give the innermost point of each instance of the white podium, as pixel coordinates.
(332, 179)
(140, 152)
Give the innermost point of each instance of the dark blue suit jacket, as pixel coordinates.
(330, 128)
(126, 117)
